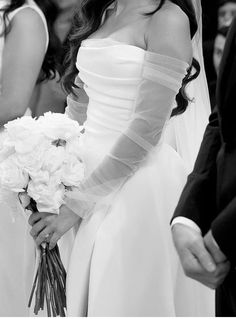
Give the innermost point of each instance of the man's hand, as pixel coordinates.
(213, 248)
(196, 260)
(51, 227)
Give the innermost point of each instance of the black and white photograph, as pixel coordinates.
(117, 158)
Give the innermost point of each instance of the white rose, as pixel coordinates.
(59, 126)
(72, 171)
(23, 134)
(32, 161)
(75, 147)
(12, 177)
(49, 197)
(5, 150)
(44, 177)
(40, 177)
(53, 158)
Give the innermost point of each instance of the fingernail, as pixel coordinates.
(211, 267)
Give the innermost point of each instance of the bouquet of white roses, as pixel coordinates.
(40, 160)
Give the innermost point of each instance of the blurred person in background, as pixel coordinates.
(218, 50)
(215, 16)
(63, 22)
(52, 97)
(226, 12)
(219, 45)
(27, 51)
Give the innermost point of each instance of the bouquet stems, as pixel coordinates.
(50, 283)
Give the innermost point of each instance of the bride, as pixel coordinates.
(130, 62)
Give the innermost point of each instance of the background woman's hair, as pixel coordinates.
(88, 19)
(50, 10)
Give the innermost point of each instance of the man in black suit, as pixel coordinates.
(206, 243)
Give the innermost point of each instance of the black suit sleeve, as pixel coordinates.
(198, 199)
(224, 231)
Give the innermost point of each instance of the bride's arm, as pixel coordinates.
(169, 48)
(23, 55)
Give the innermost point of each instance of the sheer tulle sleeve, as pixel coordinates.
(161, 80)
(77, 104)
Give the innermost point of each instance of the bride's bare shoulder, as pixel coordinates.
(171, 15)
(169, 29)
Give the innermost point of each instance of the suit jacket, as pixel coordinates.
(209, 197)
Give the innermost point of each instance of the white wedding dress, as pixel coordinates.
(123, 261)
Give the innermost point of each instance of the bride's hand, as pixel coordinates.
(51, 227)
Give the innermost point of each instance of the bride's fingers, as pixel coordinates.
(44, 236)
(34, 217)
(38, 227)
(54, 239)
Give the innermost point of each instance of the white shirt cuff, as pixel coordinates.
(186, 221)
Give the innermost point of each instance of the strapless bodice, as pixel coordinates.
(111, 72)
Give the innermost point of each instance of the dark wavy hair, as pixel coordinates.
(88, 19)
(50, 10)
